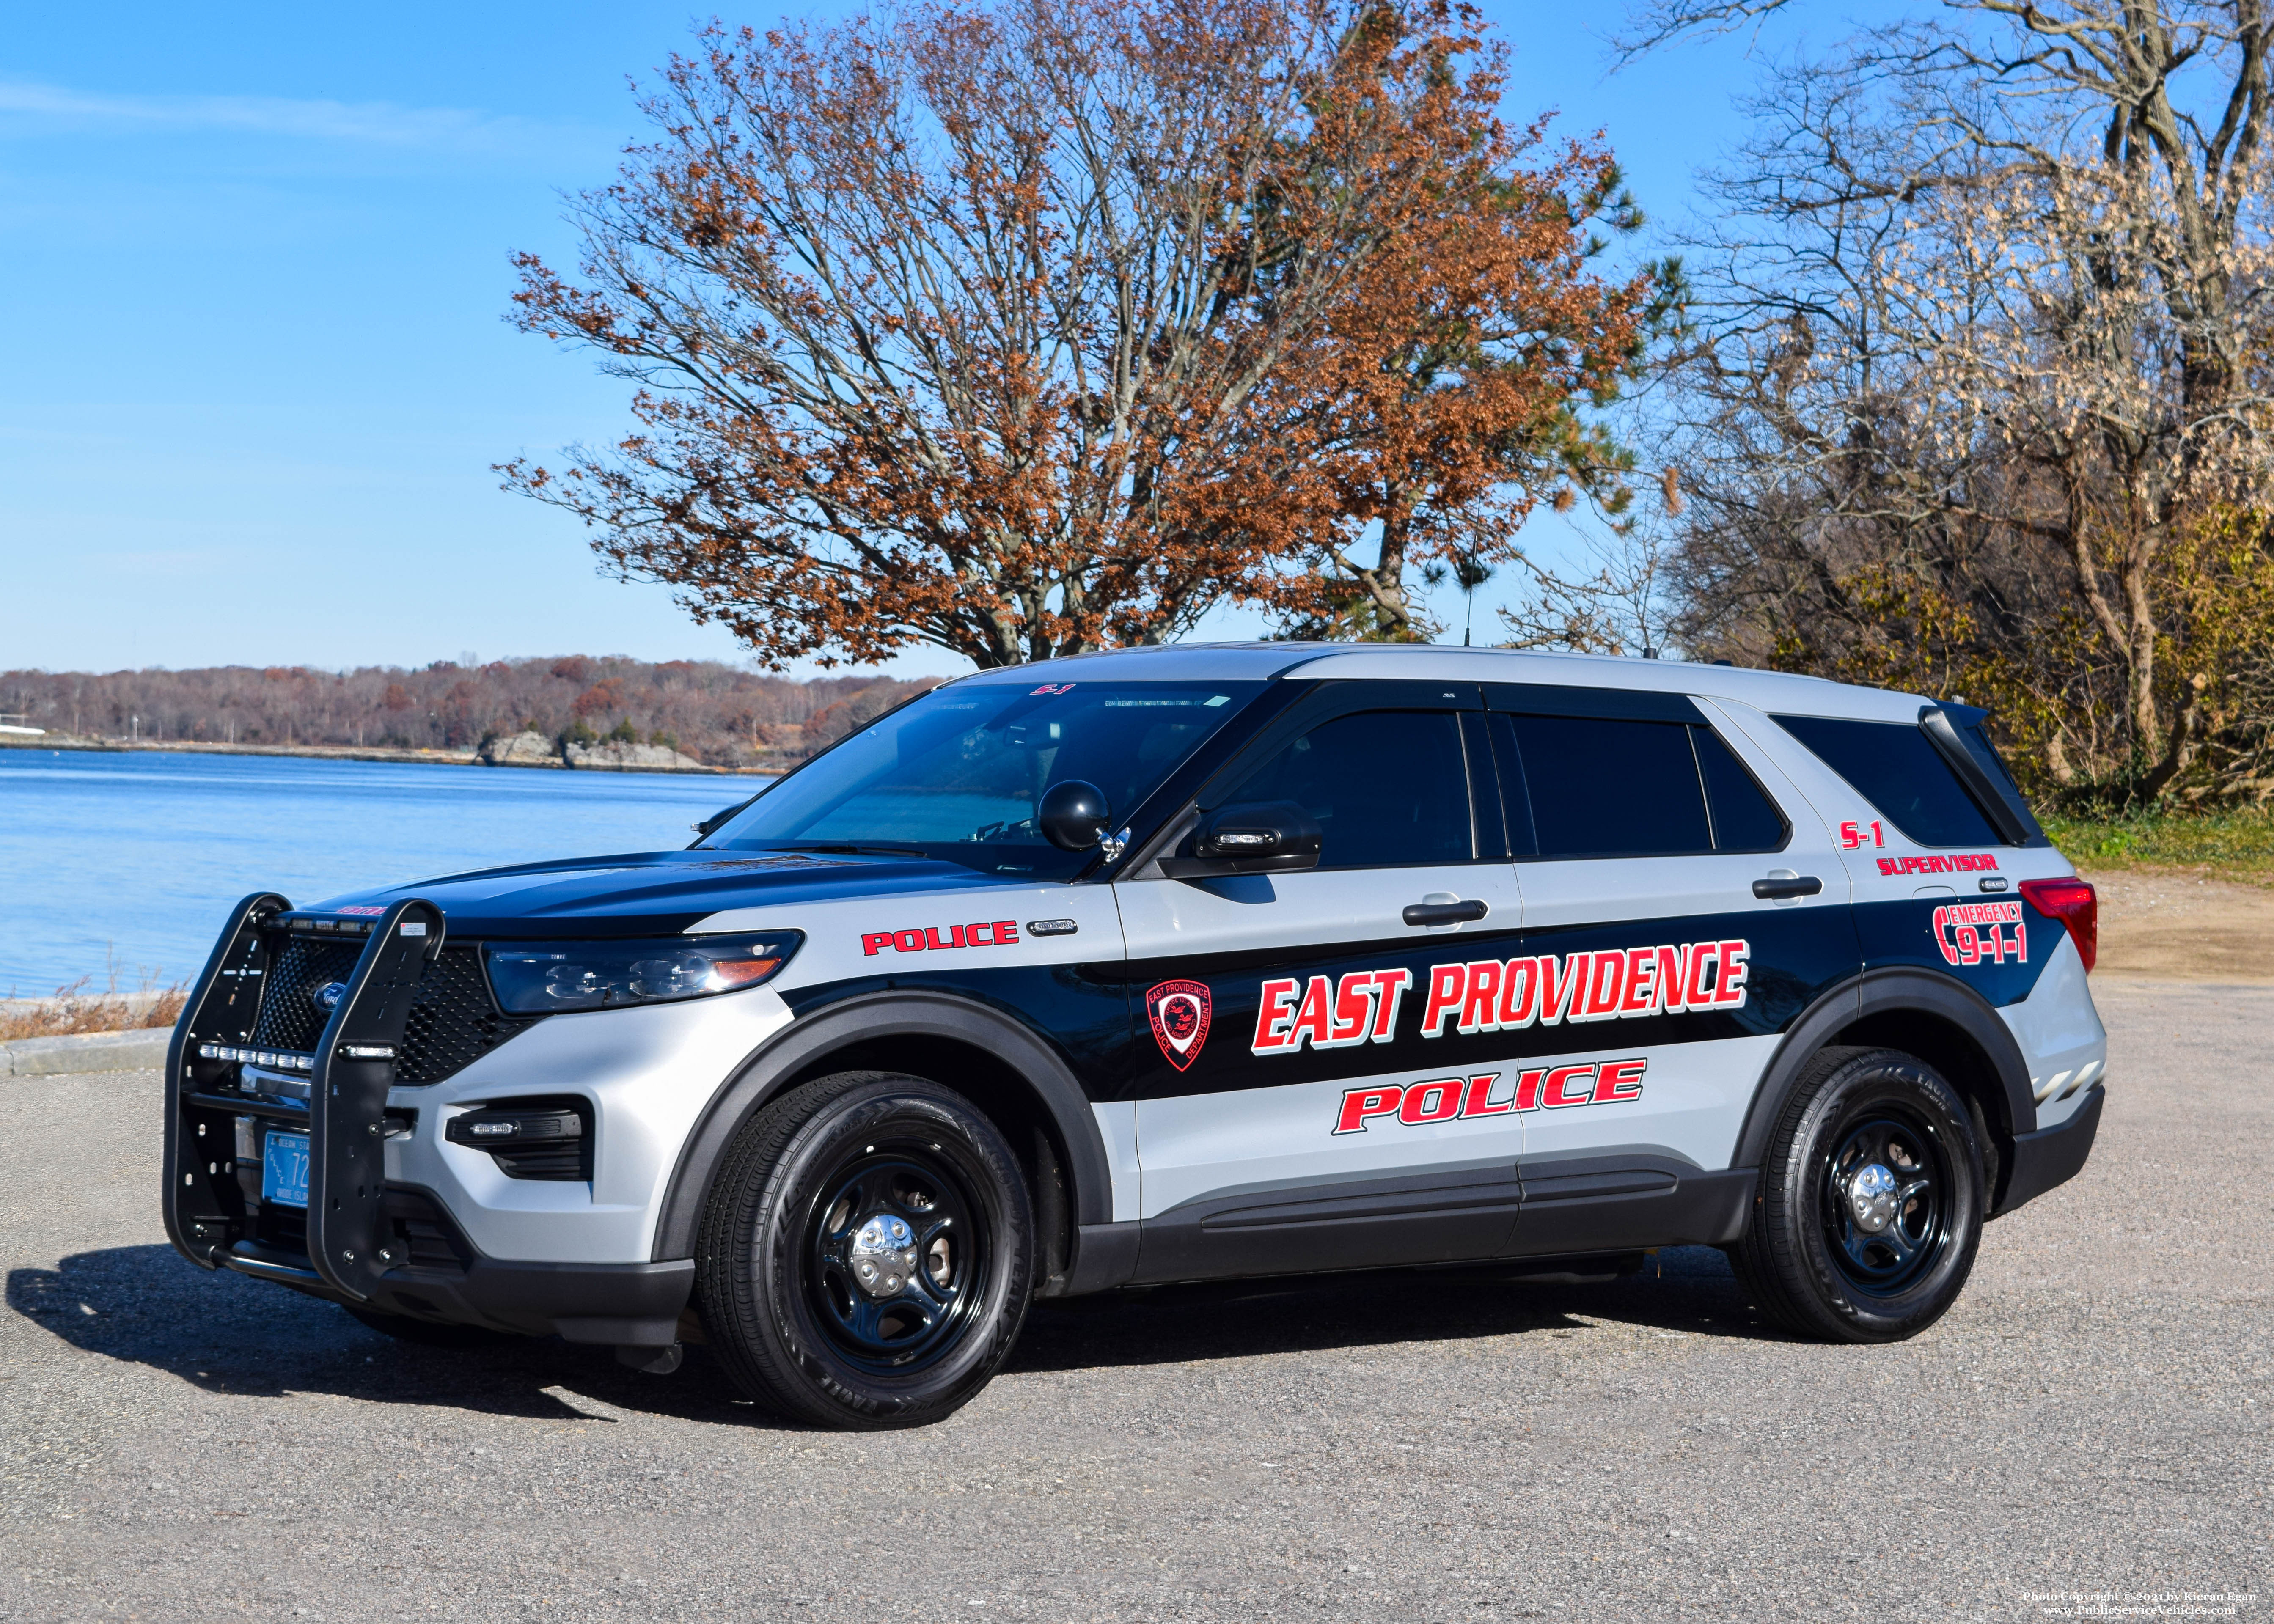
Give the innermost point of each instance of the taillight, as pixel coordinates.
(2074, 903)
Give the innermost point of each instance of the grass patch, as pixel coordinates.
(2231, 844)
(78, 1008)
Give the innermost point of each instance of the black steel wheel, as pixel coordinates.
(1872, 1201)
(866, 1253)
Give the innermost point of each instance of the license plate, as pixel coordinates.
(284, 1170)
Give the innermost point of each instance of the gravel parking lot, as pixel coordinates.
(2093, 1417)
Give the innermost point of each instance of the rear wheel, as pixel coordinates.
(867, 1254)
(1871, 1204)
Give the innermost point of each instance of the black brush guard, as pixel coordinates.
(350, 1240)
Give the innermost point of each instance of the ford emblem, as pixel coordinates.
(328, 996)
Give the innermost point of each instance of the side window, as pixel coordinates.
(1744, 818)
(1897, 769)
(1601, 788)
(1387, 786)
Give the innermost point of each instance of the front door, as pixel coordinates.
(1292, 1109)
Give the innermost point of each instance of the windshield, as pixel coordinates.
(957, 774)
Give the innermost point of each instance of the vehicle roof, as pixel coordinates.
(1250, 662)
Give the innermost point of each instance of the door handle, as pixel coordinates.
(1779, 886)
(1445, 913)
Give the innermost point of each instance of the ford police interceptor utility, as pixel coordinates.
(1173, 964)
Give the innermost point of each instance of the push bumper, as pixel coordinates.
(2052, 1155)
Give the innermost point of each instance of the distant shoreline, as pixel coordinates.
(342, 752)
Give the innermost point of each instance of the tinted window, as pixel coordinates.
(1387, 786)
(1744, 818)
(1610, 789)
(1897, 769)
(956, 774)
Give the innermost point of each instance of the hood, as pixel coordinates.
(657, 893)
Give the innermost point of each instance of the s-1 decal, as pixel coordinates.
(1969, 932)
(371, 912)
(1962, 862)
(1461, 1099)
(995, 933)
(1851, 835)
(1179, 1014)
(1052, 688)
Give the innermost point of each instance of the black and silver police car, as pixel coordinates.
(1173, 964)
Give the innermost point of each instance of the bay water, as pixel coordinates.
(129, 861)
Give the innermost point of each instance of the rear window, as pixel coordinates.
(1591, 786)
(1895, 767)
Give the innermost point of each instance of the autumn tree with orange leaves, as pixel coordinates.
(1045, 326)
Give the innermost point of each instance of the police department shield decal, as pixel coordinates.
(1179, 1011)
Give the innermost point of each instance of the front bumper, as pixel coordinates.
(413, 1222)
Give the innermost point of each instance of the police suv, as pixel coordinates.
(1171, 964)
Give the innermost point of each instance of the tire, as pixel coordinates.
(1811, 1258)
(865, 1257)
(428, 1332)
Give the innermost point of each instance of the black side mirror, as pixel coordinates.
(1073, 815)
(1261, 836)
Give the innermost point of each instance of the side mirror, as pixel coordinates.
(1263, 837)
(1073, 815)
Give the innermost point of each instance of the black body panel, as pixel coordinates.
(2052, 1155)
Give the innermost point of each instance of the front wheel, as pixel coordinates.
(866, 1253)
(1871, 1204)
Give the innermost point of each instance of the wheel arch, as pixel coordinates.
(1023, 1085)
(1944, 1022)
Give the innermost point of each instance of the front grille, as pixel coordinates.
(453, 1021)
(289, 1018)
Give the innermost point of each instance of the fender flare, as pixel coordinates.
(863, 1020)
(1889, 990)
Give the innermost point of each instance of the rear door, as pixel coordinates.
(1289, 1113)
(1683, 904)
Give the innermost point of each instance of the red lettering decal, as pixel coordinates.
(1392, 984)
(1618, 1080)
(1527, 1091)
(972, 938)
(1476, 1102)
(1273, 1016)
(1599, 994)
(1360, 1103)
(1560, 994)
(1642, 981)
(1850, 836)
(1354, 997)
(1704, 956)
(909, 941)
(954, 938)
(1557, 1091)
(1673, 979)
(1431, 1101)
(1477, 1005)
(1732, 989)
(875, 942)
(1316, 1019)
(1448, 985)
(1006, 930)
(1970, 945)
(1890, 865)
(1519, 993)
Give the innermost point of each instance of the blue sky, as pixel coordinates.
(254, 259)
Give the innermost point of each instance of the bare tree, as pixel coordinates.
(1977, 399)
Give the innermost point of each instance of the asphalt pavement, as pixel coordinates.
(2092, 1419)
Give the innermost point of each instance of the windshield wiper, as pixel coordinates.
(859, 851)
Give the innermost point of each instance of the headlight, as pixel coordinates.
(544, 978)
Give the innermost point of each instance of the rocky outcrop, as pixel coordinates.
(521, 749)
(615, 755)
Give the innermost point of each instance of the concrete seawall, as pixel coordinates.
(93, 1051)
